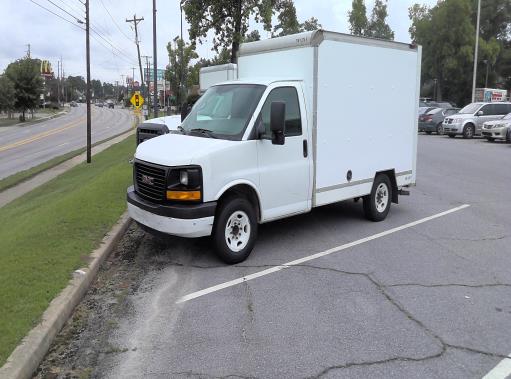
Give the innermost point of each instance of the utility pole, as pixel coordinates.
(133, 79)
(87, 44)
(147, 80)
(28, 51)
(181, 79)
(476, 51)
(135, 22)
(58, 82)
(155, 65)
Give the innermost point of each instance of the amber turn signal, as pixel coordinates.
(183, 195)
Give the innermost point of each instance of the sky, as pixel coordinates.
(113, 52)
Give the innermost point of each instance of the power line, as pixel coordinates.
(118, 27)
(63, 10)
(55, 14)
(112, 45)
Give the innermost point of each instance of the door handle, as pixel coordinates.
(305, 150)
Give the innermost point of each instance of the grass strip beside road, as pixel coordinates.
(48, 233)
(21, 176)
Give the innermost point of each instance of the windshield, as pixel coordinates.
(507, 117)
(224, 111)
(435, 111)
(470, 109)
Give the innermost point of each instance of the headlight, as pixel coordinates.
(184, 184)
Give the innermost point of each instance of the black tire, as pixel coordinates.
(452, 135)
(227, 208)
(429, 133)
(468, 131)
(371, 209)
(440, 129)
(508, 136)
(490, 139)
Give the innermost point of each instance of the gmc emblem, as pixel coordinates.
(148, 180)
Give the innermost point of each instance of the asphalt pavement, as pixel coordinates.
(414, 296)
(23, 147)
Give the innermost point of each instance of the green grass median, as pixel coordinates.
(49, 232)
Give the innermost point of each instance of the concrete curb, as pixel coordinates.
(25, 359)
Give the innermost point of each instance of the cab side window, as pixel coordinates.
(293, 118)
(488, 110)
(501, 109)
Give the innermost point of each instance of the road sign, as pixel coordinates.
(137, 100)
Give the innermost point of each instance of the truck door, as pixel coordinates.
(285, 170)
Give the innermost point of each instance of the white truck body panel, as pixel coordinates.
(348, 103)
(209, 76)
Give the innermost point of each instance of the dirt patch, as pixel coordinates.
(85, 337)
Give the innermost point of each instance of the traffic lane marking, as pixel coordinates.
(299, 261)
(41, 135)
(501, 371)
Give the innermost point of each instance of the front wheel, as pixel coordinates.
(468, 131)
(235, 230)
(377, 203)
(440, 129)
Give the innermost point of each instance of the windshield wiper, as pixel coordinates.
(206, 132)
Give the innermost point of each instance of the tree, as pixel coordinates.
(228, 20)
(378, 27)
(287, 20)
(357, 18)
(310, 25)
(252, 36)
(180, 55)
(28, 84)
(7, 95)
(446, 33)
(97, 89)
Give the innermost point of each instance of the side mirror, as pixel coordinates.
(480, 113)
(278, 122)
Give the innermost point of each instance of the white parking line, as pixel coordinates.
(501, 371)
(234, 282)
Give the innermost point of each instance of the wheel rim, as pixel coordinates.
(469, 132)
(237, 231)
(440, 129)
(382, 197)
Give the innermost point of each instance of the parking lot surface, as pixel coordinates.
(414, 296)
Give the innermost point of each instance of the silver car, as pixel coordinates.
(500, 129)
(469, 121)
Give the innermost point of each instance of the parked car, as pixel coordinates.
(499, 129)
(424, 110)
(469, 121)
(433, 120)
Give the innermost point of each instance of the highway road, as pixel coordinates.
(22, 147)
(423, 294)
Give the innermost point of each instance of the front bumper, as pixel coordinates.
(189, 220)
(452, 128)
(497, 133)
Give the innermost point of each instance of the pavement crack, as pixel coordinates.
(449, 285)
(191, 374)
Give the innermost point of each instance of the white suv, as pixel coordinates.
(469, 121)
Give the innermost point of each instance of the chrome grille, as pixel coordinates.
(150, 181)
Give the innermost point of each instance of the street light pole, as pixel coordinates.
(181, 60)
(88, 94)
(487, 61)
(155, 65)
(476, 51)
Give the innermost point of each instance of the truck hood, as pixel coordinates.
(172, 122)
(179, 149)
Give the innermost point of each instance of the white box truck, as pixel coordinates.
(211, 75)
(310, 121)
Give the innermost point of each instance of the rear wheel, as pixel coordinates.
(377, 203)
(440, 129)
(468, 131)
(235, 230)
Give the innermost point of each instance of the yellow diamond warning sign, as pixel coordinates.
(137, 100)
